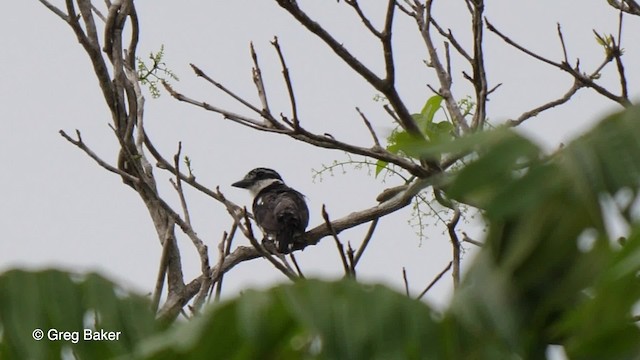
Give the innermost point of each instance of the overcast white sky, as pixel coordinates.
(58, 208)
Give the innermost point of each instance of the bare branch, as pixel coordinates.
(228, 240)
(564, 47)
(423, 19)
(479, 74)
(367, 23)
(172, 307)
(224, 89)
(406, 281)
(466, 238)
(351, 258)
(243, 120)
(584, 79)
(259, 83)
(452, 39)
(535, 112)
(98, 13)
(434, 281)
(311, 138)
(343, 258)
(385, 86)
(369, 127)
(221, 255)
(295, 263)
(178, 185)
(386, 39)
(405, 9)
(506, 39)
(455, 243)
(79, 143)
(287, 80)
(175, 303)
(262, 251)
(55, 10)
(617, 54)
(169, 241)
(365, 241)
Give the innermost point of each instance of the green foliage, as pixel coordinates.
(155, 73)
(57, 300)
(434, 132)
(306, 320)
(533, 284)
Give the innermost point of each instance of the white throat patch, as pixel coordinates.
(261, 184)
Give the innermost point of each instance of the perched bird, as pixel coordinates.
(279, 210)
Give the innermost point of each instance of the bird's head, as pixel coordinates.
(258, 179)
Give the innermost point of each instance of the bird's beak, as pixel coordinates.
(244, 183)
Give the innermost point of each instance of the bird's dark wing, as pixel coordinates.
(282, 214)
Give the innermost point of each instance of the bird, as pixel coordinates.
(280, 211)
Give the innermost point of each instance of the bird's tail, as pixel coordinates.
(285, 237)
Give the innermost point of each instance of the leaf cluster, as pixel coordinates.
(434, 132)
(155, 73)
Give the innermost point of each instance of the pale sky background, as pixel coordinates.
(60, 209)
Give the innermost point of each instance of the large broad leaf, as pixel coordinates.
(56, 302)
(535, 282)
(308, 320)
(600, 326)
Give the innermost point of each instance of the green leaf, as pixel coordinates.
(57, 301)
(532, 284)
(380, 165)
(425, 118)
(503, 152)
(309, 319)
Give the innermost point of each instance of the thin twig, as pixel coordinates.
(221, 256)
(164, 263)
(327, 221)
(449, 36)
(228, 240)
(564, 47)
(311, 138)
(423, 19)
(241, 119)
(435, 280)
(259, 83)
(617, 54)
(55, 10)
(351, 258)
(295, 263)
(479, 74)
(263, 251)
(406, 281)
(577, 85)
(202, 74)
(98, 13)
(79, 143)
(178, 185)
(579, 76)
(455, 243)
(370, 128)
(288, 82)
(365, 241)
(466, 238)
(385, 85)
